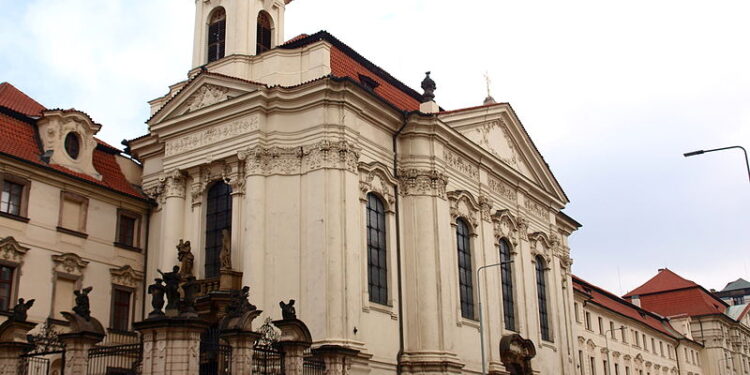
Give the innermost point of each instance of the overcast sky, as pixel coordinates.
(611, 92)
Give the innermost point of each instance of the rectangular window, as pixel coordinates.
(6, 288)
(601, 325)
(377, 262)
(506, 277)
(465, 269)
(580, 362)
(64, 297)
(593, 365)
(128, 230)
(11, 198)
(73, 210)
(588, 320)
(612, 330)
(617, 369)
(120, 309)
(576, 312)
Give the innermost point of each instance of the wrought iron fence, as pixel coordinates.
(215, 357)
(115, 360)
(267, 360)
(313, 366)
(40, 362)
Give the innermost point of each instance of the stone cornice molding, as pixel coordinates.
(374, 178)
(126, 276)
(464, 205)
(12, 251)
(422, 182)
(69, 263)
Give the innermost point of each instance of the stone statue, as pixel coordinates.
(172, 279)
(82, 307)
(429, 87)
(226, 250)
(20, 310)
(186, 258)
(157, 291)
(287, 310)
(190, 289)
(240, 302)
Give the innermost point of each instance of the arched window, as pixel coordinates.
(218, 218)
(465, 269)
(506, 275)
(217, 31)
(541, 292)
(377, 266)
(263, 41)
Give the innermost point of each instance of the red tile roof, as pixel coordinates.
(665, 280)
(670, 294)
(15, 100)
(18, 140)
(618, 305)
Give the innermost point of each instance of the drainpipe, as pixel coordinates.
(145, 264)
(405, 117)
(677, 356)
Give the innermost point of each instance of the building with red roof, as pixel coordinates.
(337, 185)
(72, 215)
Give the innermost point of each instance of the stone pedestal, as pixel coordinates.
(171, 346)
(10, 361)
(294, 340)
(230, 280)
(337, 359)
(77, 345)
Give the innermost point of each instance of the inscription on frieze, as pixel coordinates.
(211, 135)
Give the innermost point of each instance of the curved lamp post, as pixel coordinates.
(481, 324)
(701, 152)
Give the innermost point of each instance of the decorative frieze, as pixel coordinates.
(211, 135)
(429, 182)
(126, 276)
(535, 208)
(69, 263)
(325, 154)
(503, 189)
(11, 250)
(461, 164)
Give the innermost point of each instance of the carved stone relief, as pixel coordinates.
(535, 208)
(485, 208)
(376, 179)
(541, 245)
(461, 164)
(494, 137)
(126, 276)
(503, 189)
(212, 135)
(429, 182)
(505, 225)
(174, 184)
(11, 250)
(463, 205)
(205, 96)
(326, 154)
(69, 263)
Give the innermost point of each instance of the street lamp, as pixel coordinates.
(481, 324)
(701, 152)
(606, 343)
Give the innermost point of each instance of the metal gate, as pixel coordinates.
(40, 363)
(215, 357)
(115, 360)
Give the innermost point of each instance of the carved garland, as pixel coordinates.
(126, 276)
(376, 179)
(12, 251)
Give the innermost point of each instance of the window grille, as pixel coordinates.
(541, 287)
(218, 218)
(464, 269)
(377, 262)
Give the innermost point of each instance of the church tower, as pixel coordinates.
(236, 27)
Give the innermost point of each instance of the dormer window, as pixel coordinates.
(217, 27)
(264, 33)
(369, 83)
(72, 145)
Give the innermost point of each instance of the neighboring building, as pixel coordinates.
(341, 187)
(619, 338)
(71, 216)
(724, 331)
(735, 293)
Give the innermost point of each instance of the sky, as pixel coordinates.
(612, 93)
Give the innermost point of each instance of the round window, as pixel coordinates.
(72, 145)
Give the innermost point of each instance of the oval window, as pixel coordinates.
(72, 145)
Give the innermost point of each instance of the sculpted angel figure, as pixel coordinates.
(20, 310)
(82, 307)
(226, 250)
(186, 258)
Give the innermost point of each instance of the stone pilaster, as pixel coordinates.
(172, 218)
(171, 346)
(77, 347)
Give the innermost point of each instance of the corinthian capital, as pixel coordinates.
(174, 184)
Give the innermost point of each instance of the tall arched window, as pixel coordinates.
(217, 31)
(506, 275)
(377, 266)
(465, 269)
(218, 218)
(263, 41)
(541, 291)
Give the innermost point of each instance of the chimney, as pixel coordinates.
(635, 300)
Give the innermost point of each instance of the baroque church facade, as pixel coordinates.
(337, 185)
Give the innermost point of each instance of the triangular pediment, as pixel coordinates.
(202, 92)
(497, 129)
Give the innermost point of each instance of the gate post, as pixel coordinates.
(337, 358)
(85, 332)
(295, 339)
(171, 346)
(12, 345)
